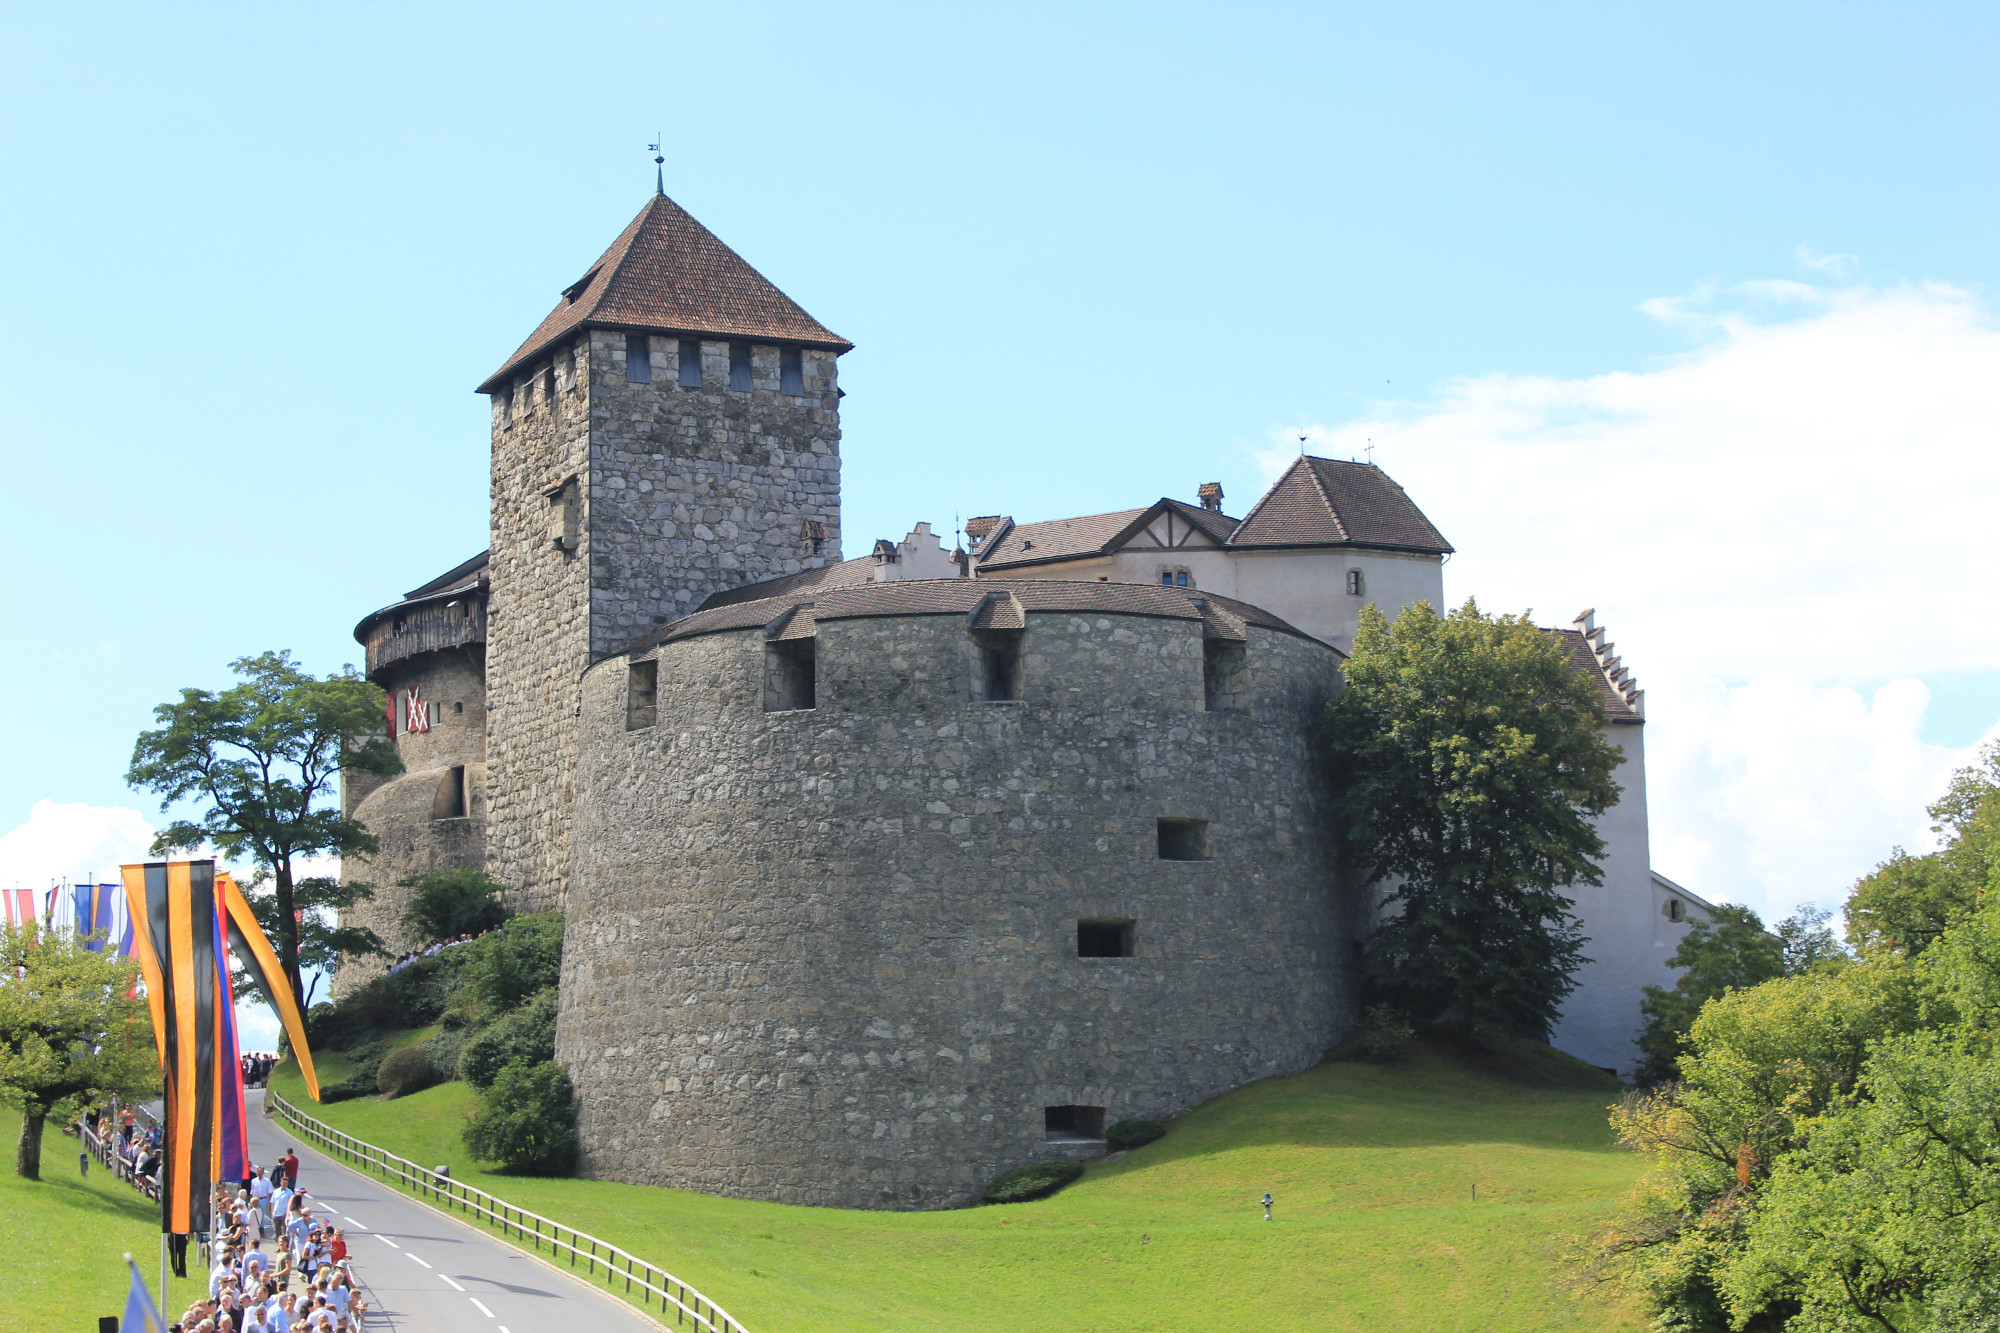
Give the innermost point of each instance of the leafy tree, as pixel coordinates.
(1469, 761)
(1809, 942)
(445, 904)
(261, 758)
(1731, 952)
(1907, 902)
(1888, 1215)
(527, 1121)
(1762, 1063)
(69, 1032)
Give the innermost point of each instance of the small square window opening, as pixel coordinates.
(791, 676)
(1184, 840)
(1104, 938)
(1073, 1124)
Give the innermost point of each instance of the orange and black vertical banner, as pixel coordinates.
(254, 952)
(173, 914)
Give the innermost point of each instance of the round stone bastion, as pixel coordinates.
(882, 890)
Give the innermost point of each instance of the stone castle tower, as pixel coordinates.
(670, 430)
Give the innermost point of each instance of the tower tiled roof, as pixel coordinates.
(667, 273)
(1325, 502)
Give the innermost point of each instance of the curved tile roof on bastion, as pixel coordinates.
(794, 611)
(666, 273)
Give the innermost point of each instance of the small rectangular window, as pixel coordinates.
(549, 389)
(1180, 578)
(690, 359)
(1104, 938)
(999, 679)
(739, 365)
(1167, 577)
(1355, 583)
(638, 358)
(1184, 840)
(791, 373)
(1224, 676)
(791, 676)
(436, 714)
(458, 707)
(642, 695)
(503, 403)
(1073, 1124)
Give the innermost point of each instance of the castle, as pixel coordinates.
(884, 875)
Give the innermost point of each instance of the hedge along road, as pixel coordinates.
(424, 1270)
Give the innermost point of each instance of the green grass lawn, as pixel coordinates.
(63, 1239)
(1376, 1224)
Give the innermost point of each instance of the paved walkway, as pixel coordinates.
(425, 1271)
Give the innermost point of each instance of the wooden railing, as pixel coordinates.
(445, 1194)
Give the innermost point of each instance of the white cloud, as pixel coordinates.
(1772, 526)
(72, 841)
(1836, 265)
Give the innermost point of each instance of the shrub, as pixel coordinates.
(1379, 1037)
(1032, 1182)
(444, 1052)
(448, 903)
(526, 1036)
(1134, 1133)
(527, 1121)
(514, 962)
(404, 1070)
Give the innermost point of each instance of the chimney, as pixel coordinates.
(1210, 493)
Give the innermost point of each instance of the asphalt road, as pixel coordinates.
(425, 1271)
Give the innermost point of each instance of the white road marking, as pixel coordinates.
(357, 1223)
(390, 1243)
(415, 1257)
(482, 1309)
(503, 1328)
(454, 1285)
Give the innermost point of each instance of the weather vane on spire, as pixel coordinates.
(659, 162)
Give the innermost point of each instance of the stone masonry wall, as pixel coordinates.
(678, 493)
(698, 489)
(830, 956)
(400, 812)
(537, 630)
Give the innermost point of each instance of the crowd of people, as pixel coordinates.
(257, 1066)
(274, 1265)
(418, 955)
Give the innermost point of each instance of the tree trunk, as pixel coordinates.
(28, 1157)
(288, 930)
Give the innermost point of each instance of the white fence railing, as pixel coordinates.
(445, 1194)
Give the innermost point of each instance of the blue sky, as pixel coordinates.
(261, 254)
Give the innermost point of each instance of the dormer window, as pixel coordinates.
(1356, 585)
(574, 292)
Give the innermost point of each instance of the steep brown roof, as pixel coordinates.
(961, 597)
(1092, 534)
(1325, 502)
(668, 273)
(1057, 539)
(1615, 706)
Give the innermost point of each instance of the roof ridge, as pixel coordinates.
(1326, 498)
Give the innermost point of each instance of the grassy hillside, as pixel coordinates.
(63, 1239)
(1376, 1224)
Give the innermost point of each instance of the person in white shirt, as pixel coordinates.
(256, 1263)
(260, 1190)
(281, 1203)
